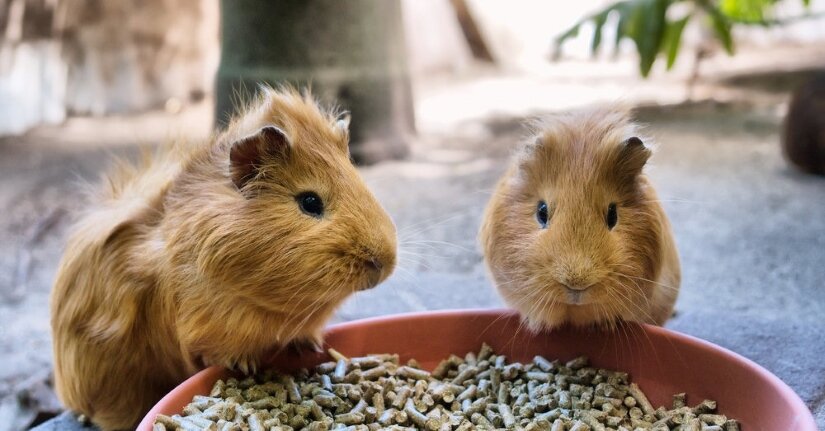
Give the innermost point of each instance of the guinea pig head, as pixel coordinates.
(572, 238)
(307, 231)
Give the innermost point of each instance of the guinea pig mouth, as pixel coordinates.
(577, 296)
(368, 272)
(372, 278)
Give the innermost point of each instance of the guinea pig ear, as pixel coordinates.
(342, 123)
(341, 127)
(633, 155)
(248, 154)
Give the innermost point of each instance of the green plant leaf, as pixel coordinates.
(673, 39)
(745, 10)
(646, 26)
(721, 27)
(571, 32)
(560, 39)
(598, 20)
(621, 25)
(645, 23)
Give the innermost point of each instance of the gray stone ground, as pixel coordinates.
(751, 233)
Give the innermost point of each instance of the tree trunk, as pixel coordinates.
(350, 53)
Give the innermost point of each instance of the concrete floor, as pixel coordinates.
(750, 230)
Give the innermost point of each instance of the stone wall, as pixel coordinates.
(64, 57)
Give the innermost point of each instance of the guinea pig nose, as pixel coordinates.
(576, 286)
(575, 283)
(375, 271)
(375, 264)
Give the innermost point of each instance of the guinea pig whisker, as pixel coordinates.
(527, 303)
(408, 245)
(628, 301)
(640, 292)
(425, 255)
(635, 284)
(603, 317)
(325, 294)
(612, 326)
(532, 308)
(496, 320)
(626, 296)
(418, 257)
(625, 265)
(426, 251)
(295, 295)
(552, 298)
(406, 232)
(620, 298)
(408, 254)
(308, 315)
(654, 282)
(405, 276)
(687, 201)
(547, 297)
(403, 262)
(518, 281)
(297, 290)
(444, 243)
(537, 300)
(295, 315)
(486, 191)
(615, 268)
(622, 308)
(416, 249)
(403, 272)
(622, 329)
(647, 336)
(522, 324)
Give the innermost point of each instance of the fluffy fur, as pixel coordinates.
(174, 267)
(577, 270)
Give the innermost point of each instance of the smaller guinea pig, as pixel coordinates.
(574, 231)
(213, 253)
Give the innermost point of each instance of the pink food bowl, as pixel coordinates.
(661, 361)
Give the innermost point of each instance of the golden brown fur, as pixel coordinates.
(576, 269)
(174, 267)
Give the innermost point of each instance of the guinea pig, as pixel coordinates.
(574, 232)
(215, 252)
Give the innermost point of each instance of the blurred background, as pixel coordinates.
(732, 91)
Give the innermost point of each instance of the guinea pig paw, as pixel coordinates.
(245, 365)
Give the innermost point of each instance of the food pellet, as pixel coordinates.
(480, 391)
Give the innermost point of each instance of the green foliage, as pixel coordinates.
(748, 10)
(654, 34)
(673, 35)
(721, 26)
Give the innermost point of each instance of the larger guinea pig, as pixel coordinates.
(213, 253)
(574, 231)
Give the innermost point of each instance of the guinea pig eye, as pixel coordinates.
(542, 214)
(612, 216)
(311, 204)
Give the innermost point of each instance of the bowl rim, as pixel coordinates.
(803, 422)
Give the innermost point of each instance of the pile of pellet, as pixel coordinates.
(480, 391)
